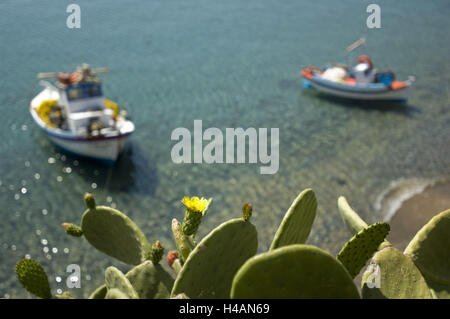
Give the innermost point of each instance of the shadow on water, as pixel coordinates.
(399, 107)
(132, 172)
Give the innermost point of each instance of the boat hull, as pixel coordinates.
(359, 92)
(103, 150)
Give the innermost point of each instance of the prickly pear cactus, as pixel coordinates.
(196, 208)
(33, 278)
(65, 295)
(113, 233)
(247, 209)
(73, 229)
(183, 242)
(291, 272)
(99, 293)
(438, 291)
(211, 266)
(115, 293)
(393, 275)
(297, 223)
(351, 219)
(430, 248)
(156, 252)
(180, 296)
(357, 251)
(150, 281)
(116, 281)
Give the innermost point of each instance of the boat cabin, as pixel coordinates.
(82, 97)
(85, 107)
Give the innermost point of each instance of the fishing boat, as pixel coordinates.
(77, 117)
(361, 82)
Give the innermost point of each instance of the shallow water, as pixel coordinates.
(231, 64)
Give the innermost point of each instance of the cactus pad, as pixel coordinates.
(357, 251)
(294, 271)
(180, 296)
(116, 235)
(33, 278)
(65, 295)
(116, 294)
(73, 229)
(183, 242)
(99, 293)
(297, 223)
(209, 270)
(150, 281)
(351, 219)
(116, 280)
(156, 252)
(399, 277)
(438, 291)
(430, 248)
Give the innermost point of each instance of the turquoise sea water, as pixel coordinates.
(231, 64)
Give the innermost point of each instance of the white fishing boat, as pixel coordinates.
(361, 82)
(77, 118)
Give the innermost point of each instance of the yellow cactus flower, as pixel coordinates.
(195, 204)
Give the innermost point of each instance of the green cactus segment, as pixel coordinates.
(156, 252)
(297, 223)
(65, 295)
(177, 266)
(183, 242)
(116, 294)
(351, 219)
(99, 293)
(191, 222)
(116, 280)
(291, 272)
(430, 250)
(393, 275)
(247, 209)
(73, 229)
(89, 200)
(192, 219)
(357, 251)
(116, 235)
(211, 266)
(33, 278)
(180, 296)
(438, 291)
(150, 281)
